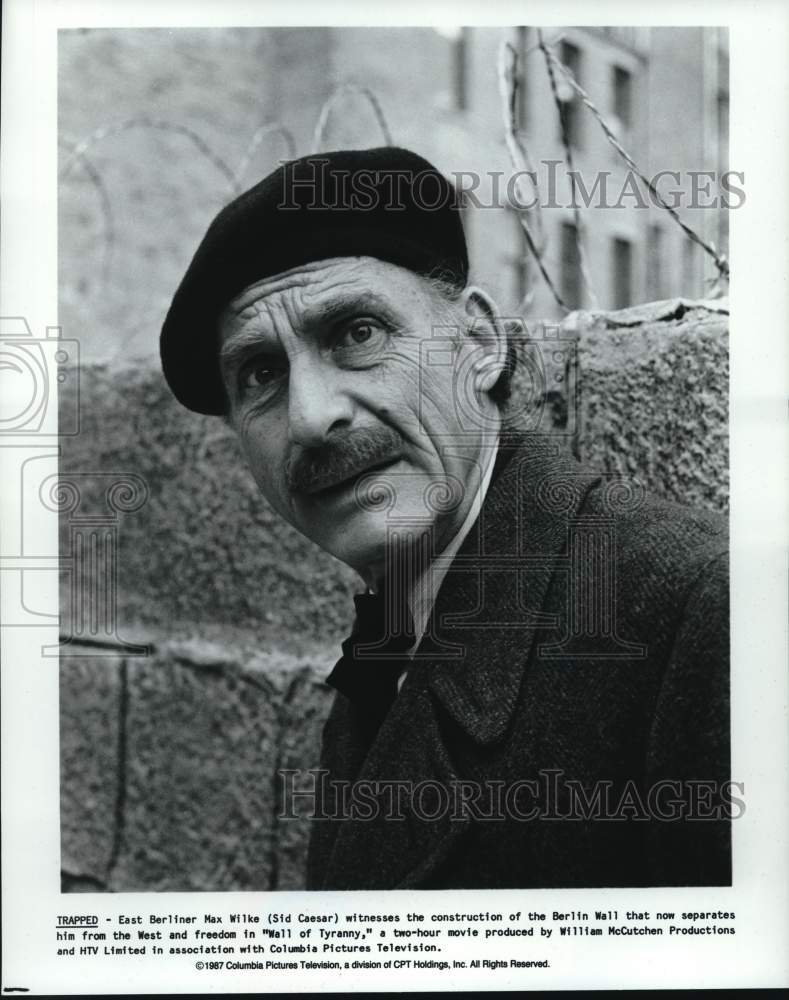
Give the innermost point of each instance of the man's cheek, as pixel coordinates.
(268, 472)
(437, 403)
(400, 372)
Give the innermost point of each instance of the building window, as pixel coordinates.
(570, 56)
(722, 108)
(723, 66)
(518, 260)
(622, 267)
(522, 109)
(571, 267)
(460, 69)
(521, 279)
(722, 99)
(656, 282)
(623, 96)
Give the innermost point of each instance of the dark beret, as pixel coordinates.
(386, 202)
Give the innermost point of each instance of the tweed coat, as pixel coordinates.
(565, 722)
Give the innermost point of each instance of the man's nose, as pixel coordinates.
(317, 403)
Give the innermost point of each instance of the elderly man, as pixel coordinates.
(535, 690)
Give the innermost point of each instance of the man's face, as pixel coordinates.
(346, 429)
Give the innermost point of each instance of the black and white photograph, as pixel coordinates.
(376, 520)
(382, 379)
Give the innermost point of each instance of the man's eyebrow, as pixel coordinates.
(342, 306)
(239, 345)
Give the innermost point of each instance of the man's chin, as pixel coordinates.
(359, 526)
(361, 539)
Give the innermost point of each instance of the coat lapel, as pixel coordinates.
(469, 665)
(493, 597)
(409, 774)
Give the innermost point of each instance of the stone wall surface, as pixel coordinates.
(91, 781)
(653, 394)
(169, 770)
(169, 761)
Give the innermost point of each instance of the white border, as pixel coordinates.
(760, 501)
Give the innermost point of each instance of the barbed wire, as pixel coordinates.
(338, 92)
(535, 236)
(105, 203)
(519, 157)
(580, 229)
(145, 121)
(720, 262)
(269, 128)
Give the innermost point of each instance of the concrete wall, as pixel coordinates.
(168, 762)
(169, 769)
(653, 398)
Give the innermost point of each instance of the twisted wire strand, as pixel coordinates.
(519, 156)
(720, 261)
(160, 124)
(580, 228)
(338, 92)
(105, 202)
(269, 128)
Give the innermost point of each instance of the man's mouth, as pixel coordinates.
(329, 488)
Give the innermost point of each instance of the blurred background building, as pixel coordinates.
(151, 112)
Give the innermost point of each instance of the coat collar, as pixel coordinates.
(488, 609)
(406, 771)
(500, 578)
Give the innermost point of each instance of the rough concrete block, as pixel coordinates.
(306, 705)
(199, 802)
(653, 390)
(90, 709)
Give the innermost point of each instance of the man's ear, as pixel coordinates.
(485, 327)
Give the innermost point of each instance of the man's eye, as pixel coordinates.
(364, 335)
(258, 375)
(361, 332)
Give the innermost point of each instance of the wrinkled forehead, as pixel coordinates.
(318, 292)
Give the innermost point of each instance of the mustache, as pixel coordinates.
(342, 457)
